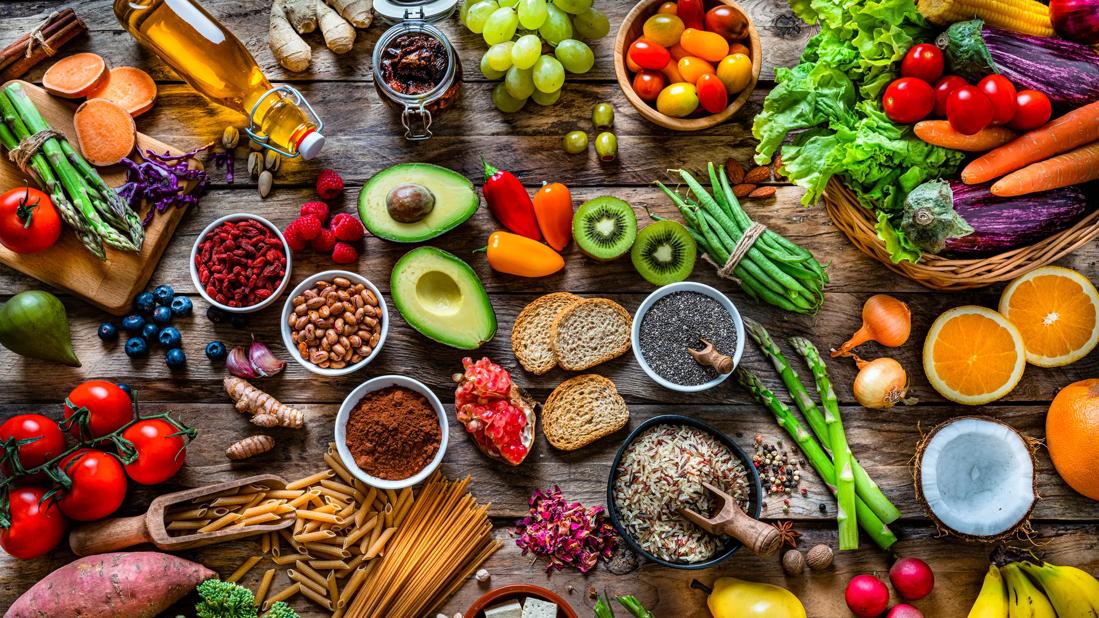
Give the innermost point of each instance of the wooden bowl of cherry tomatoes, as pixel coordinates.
(687, 65)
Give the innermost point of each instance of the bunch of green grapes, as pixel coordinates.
(532, 43)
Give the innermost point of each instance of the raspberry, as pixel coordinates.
(329, 185)
(325, 241)
(344, 253)
(308, 227)
(347, 227)
(293, 237)
(317, 209)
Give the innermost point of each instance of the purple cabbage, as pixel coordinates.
(568, 533)
(161, 180)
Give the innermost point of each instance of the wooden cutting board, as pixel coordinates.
(109, 284)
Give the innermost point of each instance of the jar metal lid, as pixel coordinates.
(395, 11)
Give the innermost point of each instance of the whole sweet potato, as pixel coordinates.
(123, 584)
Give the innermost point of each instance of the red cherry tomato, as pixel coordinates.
(649, 55)
(908, 100)
(109, 406)
(1034, 110)
(969, 110)
(159, 454)
(1001, 92)
(648, 84)
(923, 61)
(727, 21)
(36, 527)
(691, 12)
(712, 95)
(49, 441)
(29, 222)
(943, 88)
(98, 485)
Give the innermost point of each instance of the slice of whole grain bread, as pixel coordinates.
(581, 410)
(590, 332)
(530, 336)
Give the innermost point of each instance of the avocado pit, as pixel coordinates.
(409, 202)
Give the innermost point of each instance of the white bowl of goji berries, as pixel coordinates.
(240, 263)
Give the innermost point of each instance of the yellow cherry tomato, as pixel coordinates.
(671, 71)
(692, 68)
(735, 71)
(668, 8)
(678, 100)
(662, 29)
(706, 45)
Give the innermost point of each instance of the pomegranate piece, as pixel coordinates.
(498, 416)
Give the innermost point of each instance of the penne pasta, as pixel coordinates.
(321, 516)
(310, 480)
(243, 569)
(333, 590)
(286, 559)
(282, 595)
(314, 549)
(187, 525)
(379, 544)
(306, 582)
(232, 500)
(264, 586)
(310, 537)
(309, 572)
(198, 513)
(329, 565)
(220, 522)
(316, 597)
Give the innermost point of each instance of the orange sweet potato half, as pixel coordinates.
(73, 77)
(105, 131)
(130, 87)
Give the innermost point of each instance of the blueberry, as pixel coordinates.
(164, 294)
(162, 314)
(170, 337)
(150, 331)
(108, 331)
(215, 351)
(238, 320)
(136, 346)
(215, 315)
(144, 303)
(175, 359)
(126, 389)
(181, 306)
(133, 323)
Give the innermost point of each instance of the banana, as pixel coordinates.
(992, 600)
(1024, 600)
(1063, 586)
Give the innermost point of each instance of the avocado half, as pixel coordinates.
(439, 295)
(455, 201)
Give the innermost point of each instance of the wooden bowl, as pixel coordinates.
(631, 29)
(515, 592)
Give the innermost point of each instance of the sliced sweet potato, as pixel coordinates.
(73, 77)
(130, 87)
(105, 131)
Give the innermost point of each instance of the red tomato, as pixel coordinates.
(923, 61)
(29, 223)
(908, 100)
(712, 95)
(159, 454)
(968, 110)
(36, 527)
(648, 84)
(1001, 92)
(727, 21)
(49, 441)
(98, 485)
(1034, 110)
(109, 406)
(943, 88)
(648, 55)
(691, 12)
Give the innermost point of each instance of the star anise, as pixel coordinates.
(786, 533)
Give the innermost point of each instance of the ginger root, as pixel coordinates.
(266, 411)
(359, 12)
(336, 19)
(250, 447)
(302, 14)
(339, 35)
(291, 51)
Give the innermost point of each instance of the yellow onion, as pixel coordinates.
(881, 383)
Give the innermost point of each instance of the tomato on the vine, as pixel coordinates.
(109, 406)
(49, 440)
(908, 100)
(98, 485)
(648, 55)
(969, 110)
(923, 61)
(943, 88)
(159, 453)
(36, 527)
(1034, 110)
(1001, 92)
(648, 84)
(29, 222)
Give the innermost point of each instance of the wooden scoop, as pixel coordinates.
(708, 356)
(763, 539)
(122, 532)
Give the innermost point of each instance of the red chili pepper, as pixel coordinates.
(692, 13)
(508, 201)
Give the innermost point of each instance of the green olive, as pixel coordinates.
(606, 146)
(602, 115)
(576, 142)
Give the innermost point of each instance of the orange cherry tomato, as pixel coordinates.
(735, 71)
(691, 68)
(668, 8)
(648, 84)
(677, 51)
(711, 93)
(706, 45)
(671, 71)
(739, 48)
(648, 55)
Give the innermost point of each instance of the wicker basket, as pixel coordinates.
(941, 273)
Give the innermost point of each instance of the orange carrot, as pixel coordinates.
(1072, 168)
(105, 131)
(130, 87)
(940, 133)
(75, 76)
(1074, 129)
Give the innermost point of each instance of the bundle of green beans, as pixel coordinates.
(85, 202)
(774, 270)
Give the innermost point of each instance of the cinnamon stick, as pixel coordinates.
(58, 31)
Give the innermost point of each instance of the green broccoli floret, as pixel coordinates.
(281, 610)
(225, 600)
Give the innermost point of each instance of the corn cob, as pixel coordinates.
(1023, 16)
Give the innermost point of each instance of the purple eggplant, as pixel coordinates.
(951, 217)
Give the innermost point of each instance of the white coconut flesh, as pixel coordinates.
(977, 477)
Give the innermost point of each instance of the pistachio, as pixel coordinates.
(255, 163)
(272, 161)
(230, 137)
(265, 182)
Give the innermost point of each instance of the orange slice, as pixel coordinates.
(1056, 311)
(973, 355)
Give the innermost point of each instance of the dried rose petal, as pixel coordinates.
(567, 533)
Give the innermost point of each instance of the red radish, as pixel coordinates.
(866, 596)
(912, 578)
(904, 611)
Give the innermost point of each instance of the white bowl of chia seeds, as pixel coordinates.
(681, 316)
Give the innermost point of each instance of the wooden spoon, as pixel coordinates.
(763, 539)
(708, 356)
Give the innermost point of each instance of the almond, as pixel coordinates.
(735, 170)
(758, 174)
(762, 193)
(743, 190)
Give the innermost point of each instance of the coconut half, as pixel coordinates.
(975, 478)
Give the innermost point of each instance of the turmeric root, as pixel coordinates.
(358, 12)
(339, 35)
(250, 447)
(289, 49)
(266, 411)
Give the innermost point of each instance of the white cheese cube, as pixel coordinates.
(537, 608)
(511, 609)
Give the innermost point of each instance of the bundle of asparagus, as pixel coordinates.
(93, 209)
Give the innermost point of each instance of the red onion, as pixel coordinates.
(1076, 20)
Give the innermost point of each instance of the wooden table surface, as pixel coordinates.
(364, 137)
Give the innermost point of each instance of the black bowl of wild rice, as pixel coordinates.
(659, 468)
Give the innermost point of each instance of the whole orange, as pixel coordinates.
(1072, 435)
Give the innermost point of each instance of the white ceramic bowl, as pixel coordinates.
(241, 216)
(288, 308)
(686, 286)
(352, 400)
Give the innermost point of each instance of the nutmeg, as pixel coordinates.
(793, 563)
(819, 557)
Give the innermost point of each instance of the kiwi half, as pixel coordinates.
(664, 253)
(604, 228)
